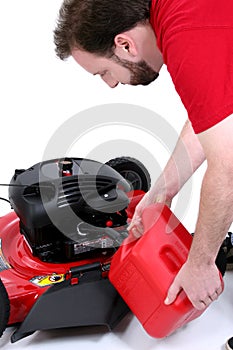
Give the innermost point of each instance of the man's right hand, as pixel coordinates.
(136, 225)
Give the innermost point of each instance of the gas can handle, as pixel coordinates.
(171, 258)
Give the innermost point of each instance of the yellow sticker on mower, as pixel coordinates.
(44, 281)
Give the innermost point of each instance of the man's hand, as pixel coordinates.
(201, 285)
(136, 225)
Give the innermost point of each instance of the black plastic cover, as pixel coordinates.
(44, 192)
(93, 301)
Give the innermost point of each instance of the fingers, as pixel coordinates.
(137, 230)
(172, 293)
(136, 227)
(216, 293)
(131, 225)
(213, 296)
(200, 304)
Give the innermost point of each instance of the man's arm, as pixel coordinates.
(199, 276)
(187, 156)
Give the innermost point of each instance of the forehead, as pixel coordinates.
(89, 61)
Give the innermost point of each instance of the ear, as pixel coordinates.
(126, 44)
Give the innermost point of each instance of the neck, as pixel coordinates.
(152, 54)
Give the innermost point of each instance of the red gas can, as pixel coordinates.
(142, 271)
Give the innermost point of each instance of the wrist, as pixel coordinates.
(200, 255)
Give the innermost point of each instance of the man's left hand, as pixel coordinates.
(202, 285)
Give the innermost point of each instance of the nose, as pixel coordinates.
(110, 81)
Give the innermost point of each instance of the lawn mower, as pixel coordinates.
(68, 218)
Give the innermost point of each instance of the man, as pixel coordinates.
(128, 42)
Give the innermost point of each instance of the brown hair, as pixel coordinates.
(91, 25)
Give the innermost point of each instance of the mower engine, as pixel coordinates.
(70, 208)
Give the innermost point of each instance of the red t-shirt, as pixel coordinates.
(196, 40)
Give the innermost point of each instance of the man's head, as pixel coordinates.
(106, 30)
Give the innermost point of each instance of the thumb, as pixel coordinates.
(131, 225)
(136, 220)
(172, 293)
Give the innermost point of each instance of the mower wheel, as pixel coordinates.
(4, 308)
(133, 171)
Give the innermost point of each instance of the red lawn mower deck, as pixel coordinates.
(69, 218)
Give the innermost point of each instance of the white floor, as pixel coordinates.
(209, 331)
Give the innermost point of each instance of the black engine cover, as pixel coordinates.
(54, 197)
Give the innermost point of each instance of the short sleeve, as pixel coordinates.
(200, 62)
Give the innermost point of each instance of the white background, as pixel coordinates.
(39, 93)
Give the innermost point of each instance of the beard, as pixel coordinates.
(140, 73)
